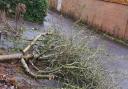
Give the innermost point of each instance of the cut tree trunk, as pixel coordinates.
(13, 57)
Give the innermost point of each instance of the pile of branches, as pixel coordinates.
(54, 57)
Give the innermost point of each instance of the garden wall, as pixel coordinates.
(109, 17)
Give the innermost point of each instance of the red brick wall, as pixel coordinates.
(110, 17)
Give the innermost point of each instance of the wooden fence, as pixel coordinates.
(118, 1)
(109, 17)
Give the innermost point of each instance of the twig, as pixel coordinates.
(46, 57)
(71, 86)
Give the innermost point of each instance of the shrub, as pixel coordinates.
(36, 9)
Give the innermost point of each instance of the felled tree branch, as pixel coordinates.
(34, 41)
(12, 57)
(24, 64)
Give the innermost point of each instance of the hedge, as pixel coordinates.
(36, 9)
